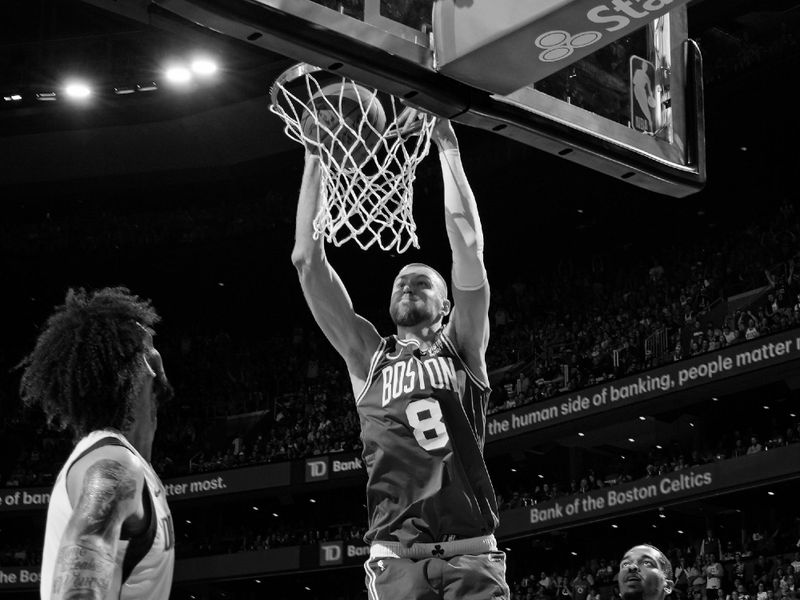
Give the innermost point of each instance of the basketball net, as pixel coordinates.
(367, 186)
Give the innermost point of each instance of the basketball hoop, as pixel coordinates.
(367, 165)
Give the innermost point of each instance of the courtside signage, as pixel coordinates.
(13, 578)
(686, 374)
(317, 468)
(531, 40)
(233, 481)
(24, 498)
(711, 479)
(338, 552)
(777, 464)
(330, 553)
(229, 482)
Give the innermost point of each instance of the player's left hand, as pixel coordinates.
(443, 134)
(410, 119)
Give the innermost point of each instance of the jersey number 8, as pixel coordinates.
(425, 418)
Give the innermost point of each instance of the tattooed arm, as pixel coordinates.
(111, 493)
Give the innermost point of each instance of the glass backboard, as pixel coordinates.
(631, 108)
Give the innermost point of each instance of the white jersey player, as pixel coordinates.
(94, 369)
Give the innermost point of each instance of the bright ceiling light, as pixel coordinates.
(77, 90)
(178, 74)
(204, 66)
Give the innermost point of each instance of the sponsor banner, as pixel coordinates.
(330, 553)
(16, 578)
(333, 466)
(228, 482)
(316, 468)
(346, 466)
(338, 552)
(702, 481)
(23, 498)
(199, 485)
(686, 374)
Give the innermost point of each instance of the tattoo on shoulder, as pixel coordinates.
(106, 483)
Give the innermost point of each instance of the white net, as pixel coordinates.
(369, 146)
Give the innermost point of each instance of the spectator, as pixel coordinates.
(710, 544)
(714, 573)
(761, 593)
(755, 445)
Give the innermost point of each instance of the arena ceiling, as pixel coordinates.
(744, 42)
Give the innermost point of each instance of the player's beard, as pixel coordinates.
(408, 316)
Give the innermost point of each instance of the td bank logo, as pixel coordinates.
(316, 469)
(330, 553)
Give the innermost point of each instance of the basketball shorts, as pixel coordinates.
(442, 574)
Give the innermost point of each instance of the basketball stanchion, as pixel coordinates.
(369, 145)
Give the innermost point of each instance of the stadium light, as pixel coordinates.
(178, 74)
(77, 90)
(204, 66)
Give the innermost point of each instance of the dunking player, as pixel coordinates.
(644, 574)
(94, 370)
(421, 397)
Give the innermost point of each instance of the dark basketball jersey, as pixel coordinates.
(423, 422)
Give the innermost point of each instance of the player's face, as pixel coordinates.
(641, 576)
(417, 297)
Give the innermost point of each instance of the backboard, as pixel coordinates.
(616, 87)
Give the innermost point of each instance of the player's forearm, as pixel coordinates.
(84, 569)
(307, 249)
(462, 221)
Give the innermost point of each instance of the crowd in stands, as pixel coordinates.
(766, 567)
(718, 445)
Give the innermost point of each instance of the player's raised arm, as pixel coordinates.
(469, 322)
(87, 556)
(355, 338)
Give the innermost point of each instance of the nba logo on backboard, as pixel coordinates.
(316, 469)
(645, 109)
(330, 553)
